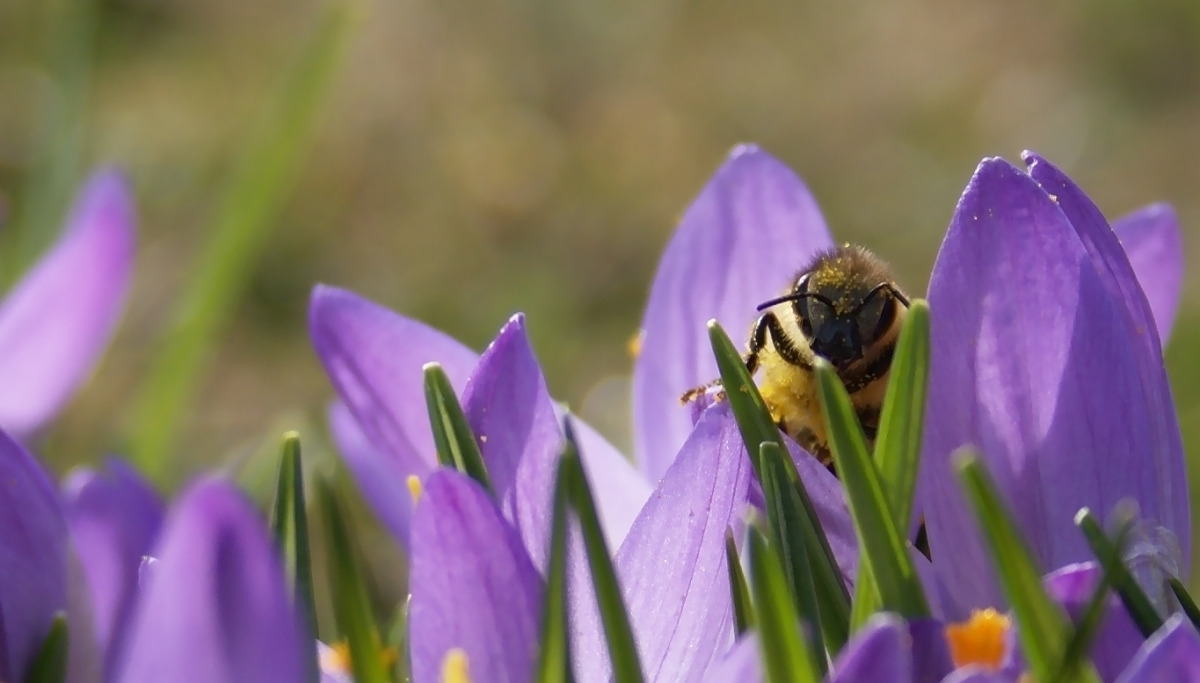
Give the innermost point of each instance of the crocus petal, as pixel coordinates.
(381, 478)
(620, 489)
(1170, 655)
(513, 418)
(217, 606)
(114, 519)
(33, 557)
(473, 585)
(374, 358)
(1031, 363)
(60, 316)
(752, 227)
(1164, 470)
(742, 663)
(672, 564)
(1154, 244)
(1118, 639)
(975, 674)
(879, 652)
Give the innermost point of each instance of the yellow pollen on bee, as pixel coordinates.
(415, 489)
(979, 640)
(634, 346)
(454, 667)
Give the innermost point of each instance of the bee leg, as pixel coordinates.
(766, 324)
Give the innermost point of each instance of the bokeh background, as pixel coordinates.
(471, 159)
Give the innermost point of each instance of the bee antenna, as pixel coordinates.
(795, 296)
(881, 287)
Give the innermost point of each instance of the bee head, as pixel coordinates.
(841, 306)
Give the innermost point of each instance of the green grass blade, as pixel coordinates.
(397, 640)
(50, 663)
(622, 647)
(1044, 628)
(452, 435)
(787, 657)
(739, 589)
(1141, 609)
(1185, 601)
(898, 446)
(783, 513)
(351, 605)
(56, 157)
(881, 543)
(241, 230)
(289, 524)
(801, 536)
(554, 662)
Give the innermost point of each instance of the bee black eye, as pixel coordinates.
(806, 327)
(886, 315)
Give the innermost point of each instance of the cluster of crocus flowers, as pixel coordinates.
(1046, 356)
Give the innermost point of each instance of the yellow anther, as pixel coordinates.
(415, 489)
(634, 347)
(454, 667)
(336, 658)
(982, 639)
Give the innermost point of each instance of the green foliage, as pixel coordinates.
(452, 435)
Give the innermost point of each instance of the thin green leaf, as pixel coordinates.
(397, 640)
(622, 648)
(803, 537)
(554, 663)
(1044, 628)
(50, 663)
(1141, 610)
(1185, 601)
(1086, 629)
(898, 446)
(783, 511)
(289, 524)
(351, 606)
(881, 544)
(452, 436)
(56, 155)
(240, 232)
(739, 590)
(786, 655)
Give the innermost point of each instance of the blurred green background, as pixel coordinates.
(472, 159)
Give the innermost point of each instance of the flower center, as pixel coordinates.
(979, 640)
(454, 667)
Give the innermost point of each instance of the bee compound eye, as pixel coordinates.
(806, 326)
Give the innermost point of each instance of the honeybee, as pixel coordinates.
(845, 308)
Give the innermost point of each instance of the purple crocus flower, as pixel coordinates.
(114, 517)
(34, 556)
(56, 321)
(751, 227)
(889, 649)
(1046, 356)
(216, 606)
